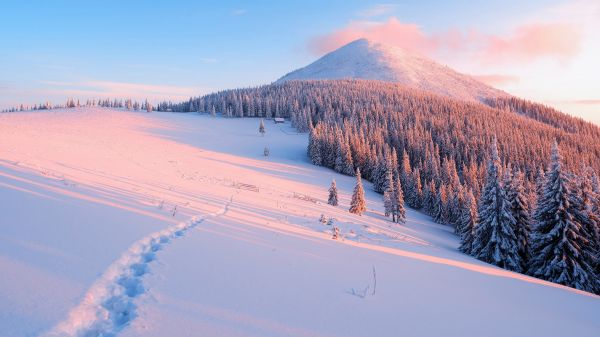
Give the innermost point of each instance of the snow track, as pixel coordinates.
(109, 306)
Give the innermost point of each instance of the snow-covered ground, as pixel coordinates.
(165, 224)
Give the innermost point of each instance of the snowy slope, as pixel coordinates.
(89, 245)
(366, 59)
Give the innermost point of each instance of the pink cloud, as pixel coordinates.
(532, 41)
(392, 31)
(496, 79)
(525, 44)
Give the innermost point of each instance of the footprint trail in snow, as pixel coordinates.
(108, 306)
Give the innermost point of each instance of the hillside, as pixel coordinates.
(369, 60)
(160, 224)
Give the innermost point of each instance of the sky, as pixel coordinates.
(543, 50)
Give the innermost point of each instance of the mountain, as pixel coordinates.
(366, 59)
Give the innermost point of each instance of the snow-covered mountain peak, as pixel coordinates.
(371, 60)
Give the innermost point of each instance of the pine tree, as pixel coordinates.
(467, 223)
(261, 127)
(333, 194)
(388, 196)
(557, 239)
(585, 200)
(405, 170)
(495, 240)
(429, 197)
(414, 196)
(519, 208)
(358, 203)
(398, 202)
(440, 205)
(314, 148)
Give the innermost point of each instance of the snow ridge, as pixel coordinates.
(109, 306)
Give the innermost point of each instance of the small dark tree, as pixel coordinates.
(333, 194)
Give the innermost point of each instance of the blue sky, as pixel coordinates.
(56, 49)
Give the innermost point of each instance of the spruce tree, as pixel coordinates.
(414, 196)
(358, 204)
(398, 202)
(333, 194)
(495, 240)
(388, 196)
(440, 205)
(467, 223)
(557, 239)
(585, 200)
(519, 208)
(314, 148)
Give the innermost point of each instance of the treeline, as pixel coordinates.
(128, 104)
(545, 114)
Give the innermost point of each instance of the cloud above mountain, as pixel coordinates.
(525, 43)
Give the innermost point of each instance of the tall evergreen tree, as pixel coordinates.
(358, 204)
(495, 240)
(467, 223)
(333, 194)
(519, 208)
(399, 214)
(557, 239)
(388, 196)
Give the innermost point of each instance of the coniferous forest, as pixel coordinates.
(517, 180)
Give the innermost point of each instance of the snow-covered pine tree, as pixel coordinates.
(314, 148)
(429, 197)
(398, 202)
(380, 174)
(557, 238)
(405, 171)
(388, 196)
(414, 197)
(358, 204)
(261, 127)
(440, 205)
(348, 167)
(519, 208)
(148, 106)
(467, 222)
(585, 200)
(495, 241)
(333, 194)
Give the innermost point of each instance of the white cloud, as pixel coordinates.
(378, 10)
(239, 11)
